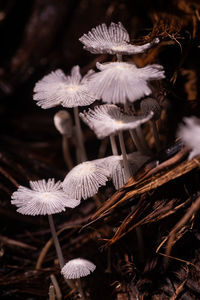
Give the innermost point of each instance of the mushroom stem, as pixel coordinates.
(156, 136)
(113, 145)
(56, 242)
(119, 57)
(66, 152)
(132, 132)
(81, 289)
(79, 135)
(103, 148)
(136, 141)
(124, 155)
(58, 248)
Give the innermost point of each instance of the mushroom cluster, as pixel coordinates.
(119, 84)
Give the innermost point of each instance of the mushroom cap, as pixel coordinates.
(190, 135)
(150, 104)
(77, 268)
(84, 180)
(43, 198)
(113, 39)
(118, 82)
(107, 119)
(63, 122)
(58, 89)
(114, 164)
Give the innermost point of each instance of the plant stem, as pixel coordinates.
(58, 248)
(81, 289)
(136, 140)
(51, 292)
(113, 145)
(56, 242)
(102, 148)
(79, 135)
(132, 132)
(125, 160)
(56, 287)
(155, 133)
(119, 57)
(66, 152)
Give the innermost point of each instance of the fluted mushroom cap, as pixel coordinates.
(77, 268)
(58, 89)
(107, 119)
(84, 180)
(43, 198)
(113, 39)
(118, 82)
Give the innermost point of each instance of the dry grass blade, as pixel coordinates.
(178, 290)
(11, 242)
(192, 210)
(160, 210)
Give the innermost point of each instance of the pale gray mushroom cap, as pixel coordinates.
(63, 123)
(114, 164)
(107, 119)
(190, 135)
(113, 39)
(43, 198)
(118, 82)
(77, 268)
(150, 104)
(58, 89)
(84, 180)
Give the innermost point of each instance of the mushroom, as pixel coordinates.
(107, 120)
(84, 180)
(190, 135)
(44, 198)
(77, 268)
(113, 40)
(63, 123)
(69, 91)
(118, 82)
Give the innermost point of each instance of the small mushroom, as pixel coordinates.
(44, 198)
(63, 123)
(69, 91)
(190, 135)
(84, 180)
(107, 120)
(118, 82)
(77, 268)
(113, 39)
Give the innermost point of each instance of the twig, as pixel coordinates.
(51, 292)
(193, 209)
(12, 242)
(56, 287)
